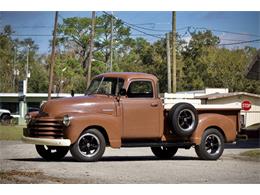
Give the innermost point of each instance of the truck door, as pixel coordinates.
(141, 111)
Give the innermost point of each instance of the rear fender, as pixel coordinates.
(226, 124)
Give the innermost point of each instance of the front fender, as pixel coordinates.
(228, 125)
(110, 123)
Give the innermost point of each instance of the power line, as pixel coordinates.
(13, 26)
(139, 26)
(31, 35)
(226, 39)
(151, 29)
(145, 24)
(61, 16)
(38, 35)
(143, 33)
(49, 35)
(132, 26)
(144, 28)
(225, 31)
(129, 25)
(152, 35)
(241, 42)
(142, 24)
(136, 34)
(136, 27)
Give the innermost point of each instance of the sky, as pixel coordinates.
(229, 26)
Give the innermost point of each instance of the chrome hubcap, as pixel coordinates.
(186, 120)
(213, 144)
(88, 145)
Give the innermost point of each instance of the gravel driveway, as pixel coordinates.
(21, 164)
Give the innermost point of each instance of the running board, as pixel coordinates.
(157, 144)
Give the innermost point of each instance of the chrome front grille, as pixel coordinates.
(45, 128)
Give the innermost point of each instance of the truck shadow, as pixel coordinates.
(255, 143)
(144, 158)
(111, 159)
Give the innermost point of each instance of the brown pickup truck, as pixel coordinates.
(125, 110)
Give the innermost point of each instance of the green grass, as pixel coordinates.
(11, 132)
(252, 153)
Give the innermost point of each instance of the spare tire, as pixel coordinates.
(183, 118)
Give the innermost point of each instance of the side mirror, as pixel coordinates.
(122, 92)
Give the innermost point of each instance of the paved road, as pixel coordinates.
(21, 164)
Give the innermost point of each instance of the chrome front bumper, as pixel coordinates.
(47, 142)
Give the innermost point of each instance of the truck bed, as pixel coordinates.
(168, 106)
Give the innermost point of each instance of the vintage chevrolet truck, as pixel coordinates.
(125, 110)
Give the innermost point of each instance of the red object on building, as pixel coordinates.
(246, 105)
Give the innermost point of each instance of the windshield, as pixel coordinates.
(105, 85)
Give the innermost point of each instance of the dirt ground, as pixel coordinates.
(20, 163)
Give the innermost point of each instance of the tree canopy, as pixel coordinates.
(201, 62)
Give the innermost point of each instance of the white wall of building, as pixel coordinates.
(252, 116)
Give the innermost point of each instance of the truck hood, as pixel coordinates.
(83, 104)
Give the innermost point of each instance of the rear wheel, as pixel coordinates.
(52, 153)
(164, 152)
(89, 147)
(211, 146)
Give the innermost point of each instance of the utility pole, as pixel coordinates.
(174, 84)
(111, 44)
(22, 90)
(168, 62)
(52, 55)
(92, 35)
(24, 102)
(27, 69)
(14, 70)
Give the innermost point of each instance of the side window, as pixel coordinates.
(120, 84)
(140, 89)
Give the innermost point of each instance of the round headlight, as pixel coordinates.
(66, 120)
(27, 118)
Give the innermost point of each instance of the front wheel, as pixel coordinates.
(164, 152)
(52, 153)
(211, 146)
(89, 147)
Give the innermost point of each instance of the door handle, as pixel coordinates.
(154, 104)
